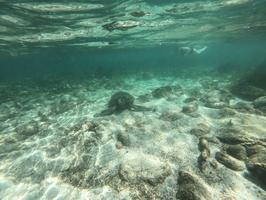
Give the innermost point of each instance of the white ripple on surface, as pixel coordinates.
(59, 7)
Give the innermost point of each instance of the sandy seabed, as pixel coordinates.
(198, 141)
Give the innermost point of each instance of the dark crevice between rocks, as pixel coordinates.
(255, 180)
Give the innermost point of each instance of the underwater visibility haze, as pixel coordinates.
(133, 100)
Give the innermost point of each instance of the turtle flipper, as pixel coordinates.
(138, 108)
(108, 111)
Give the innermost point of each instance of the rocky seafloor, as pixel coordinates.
(198, 141)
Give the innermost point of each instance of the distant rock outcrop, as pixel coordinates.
(252, 85)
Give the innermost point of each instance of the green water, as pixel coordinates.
(82, 63)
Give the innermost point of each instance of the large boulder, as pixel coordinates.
(192, 187)
(229, 161)
(237, 151)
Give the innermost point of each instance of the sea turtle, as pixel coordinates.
(121, 101)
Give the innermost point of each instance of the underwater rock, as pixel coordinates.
(202, 129)
(229, 161)
(123, 138)
(190, 99)
(106, 156)
(7, 148)
(214, 164)
(190, 108)
(247, 92)
(195, 93)
(119, 102)
(204, 153)
(217, 105)
(257, 153)
(28, 129)
(191, 187)
(202, 160)
(232, 135)
(260, 103)
(203, 144)
(252, 85)
(213, 102)
(83, 125)
(258, 170)
(138, 14)
(244, 107)
(245, 147)
(119, 145)
(231, 139)
(148, 169)
(121, 25)
(43, 117)
(161, 92)
(237, 151)
(90, 126)
(105, 193)
(82, 169)
(255, 149)
(171, 116)
(226, 112)
(31, 167)
(240, 138)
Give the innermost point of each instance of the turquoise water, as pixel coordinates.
(44, 37)
(82, 63)
(131, 99)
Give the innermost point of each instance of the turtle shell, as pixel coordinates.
(121, 101)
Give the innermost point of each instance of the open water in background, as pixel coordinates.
(83, 38)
